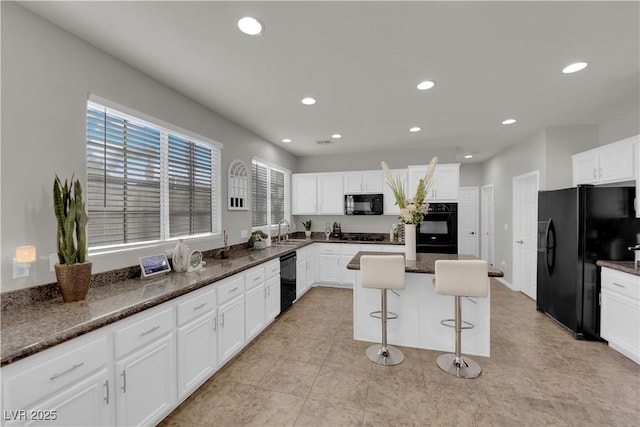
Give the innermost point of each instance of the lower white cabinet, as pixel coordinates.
(231, 332)
(255, 311)
(197, 353)
(272, 302)
(146, 383)
(620, 312)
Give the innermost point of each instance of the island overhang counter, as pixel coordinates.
(420, 309)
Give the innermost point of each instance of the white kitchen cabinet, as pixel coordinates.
(301, 272)
(446, 180)
(390, 207)
(255, 311)
(197, 339)
(362, 182)
(606, 164)
(330, 194)
(231, 329)
(272, 288)
(620, 312)
(328, 262)
(311, 266)
(70, 384)
(303, 194)
(146, 367)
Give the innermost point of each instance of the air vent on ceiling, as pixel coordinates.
(324, 142)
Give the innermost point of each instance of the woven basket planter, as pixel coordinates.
(74, 280)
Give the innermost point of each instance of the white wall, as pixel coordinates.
(560, 144)
(47, 75)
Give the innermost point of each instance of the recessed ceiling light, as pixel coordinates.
(336, 136)
(508, 121)
(286, 140)
(427, 84)
(468, 156)
(250, 26)
(415, 129)
(308, 101)
(575, 67)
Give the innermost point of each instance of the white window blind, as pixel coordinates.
(269, 194)
(146, 182)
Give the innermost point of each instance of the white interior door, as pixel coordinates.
(486, 220)
(468, 221)
(525, 222)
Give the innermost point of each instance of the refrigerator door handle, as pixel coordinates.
(550, 239)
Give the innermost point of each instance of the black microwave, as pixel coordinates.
(363, 204)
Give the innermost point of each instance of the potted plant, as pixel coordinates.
(307, 228)
(257, 241)
(73, 271)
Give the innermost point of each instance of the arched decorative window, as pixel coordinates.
(238, 195)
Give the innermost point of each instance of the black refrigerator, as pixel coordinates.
(577, 227)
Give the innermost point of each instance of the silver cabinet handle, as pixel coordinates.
(393, 290)
(472, 300)
(600, 172)
(200, 306)
(234, 289)
(149, 331)
(255, 279)
(222, 320)
(215, 323)
(124, 381)
(594, 173)
(73, 368)
(106, 397)
(519, 241)
(618, 285)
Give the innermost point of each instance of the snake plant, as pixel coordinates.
(69, 208)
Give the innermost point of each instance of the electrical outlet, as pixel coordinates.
(244, 234)
(503, 264)
(53, 260)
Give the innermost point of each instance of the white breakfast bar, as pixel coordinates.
(420, 310)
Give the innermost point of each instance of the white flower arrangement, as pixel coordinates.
(411, 211)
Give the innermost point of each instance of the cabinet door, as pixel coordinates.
(255, 311)
(303, 194)
(329, 268)
(352, 182)
(311, 272)
(301, 277)
(330, 194)
(146, 383)
(88, 402)
(585, 168)
(415, 174)
(446, 179)
(372, 182)
(230, 329)
(390, 207)
(616, 162)
(346, 276)
(620, 324)
(273, 298)
(197, 353)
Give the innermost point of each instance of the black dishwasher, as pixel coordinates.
(287, 280)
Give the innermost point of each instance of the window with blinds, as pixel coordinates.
(269, 194)
(147, 183)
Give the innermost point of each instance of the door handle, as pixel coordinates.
(519, 241)
(472, 232)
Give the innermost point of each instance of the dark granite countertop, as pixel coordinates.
(31, 328)
(624, 266)
(424, 263)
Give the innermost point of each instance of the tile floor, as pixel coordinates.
(306, 370)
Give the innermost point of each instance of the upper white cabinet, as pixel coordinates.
(363, 182)
(317, 194)
(303, 194)
(446, 180)
(390, 207)
(609, 163)
(330, 194)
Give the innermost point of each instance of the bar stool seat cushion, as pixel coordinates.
(465, 278)
(382, 271)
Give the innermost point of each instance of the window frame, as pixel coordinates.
(165, 130)
(287, 193)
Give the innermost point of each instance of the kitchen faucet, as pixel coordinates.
(279, 224)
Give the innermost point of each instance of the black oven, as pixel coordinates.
(438, 231)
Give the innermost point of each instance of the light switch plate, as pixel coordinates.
(243, 234)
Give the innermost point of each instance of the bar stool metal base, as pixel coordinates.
(391, 357)
(461, 367)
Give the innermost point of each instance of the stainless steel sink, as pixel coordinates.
(287, 243)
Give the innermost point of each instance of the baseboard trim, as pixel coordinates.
(504, 282)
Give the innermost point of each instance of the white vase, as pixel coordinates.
(410, 242)
(307, 233)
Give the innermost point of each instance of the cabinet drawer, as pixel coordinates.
(254, 277)
(143, 331)
(196, 305)
(621, 283)
(272, 269)
(351, 249)
(230, 288)
(328, 249)
(54, 371)
(301, 253)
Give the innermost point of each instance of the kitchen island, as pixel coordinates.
(420, 310)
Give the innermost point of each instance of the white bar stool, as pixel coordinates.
(460, 278)
(383, 272)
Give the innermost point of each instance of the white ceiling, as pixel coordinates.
(363, 60)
